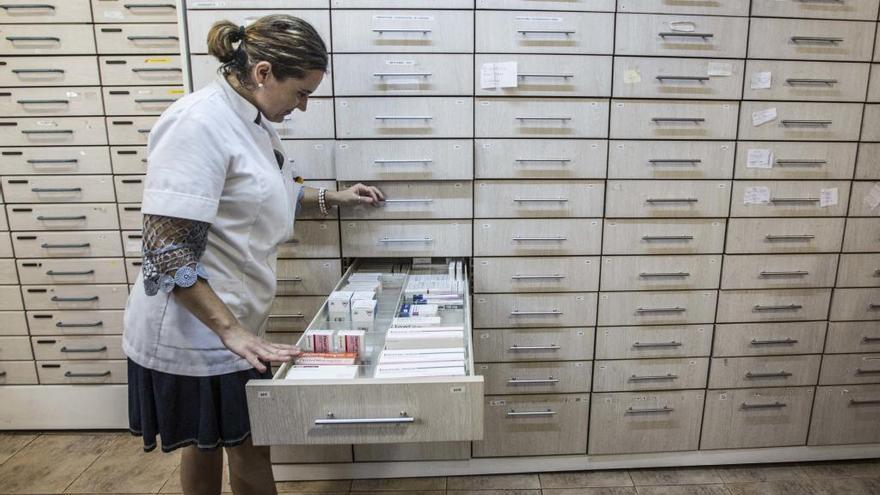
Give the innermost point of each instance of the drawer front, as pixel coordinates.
(10, 298)
(59, 189)
(427, 451)
(129, 159)
(802, 121)
(63, 217)
(847, 369)
(415, 238)
(82, 372)
(534, 237)
(669, 35)
(131, 39)
(15, 349)
(133, 269)
(650, 374)
(673, 341)
(32, 102)
(763, 339)
(54, 160)
(140, 100)
(808, 81)
(130, 131)
(536, 378)
(517, 425)
(67, 244)
(407, 75)
(862, 9)
(404, 117)
(677, 78)
(872, 117)
(543, 274)
(63, 271)
(671, 160)
(121, 11)
(307, 277)
(540, 159)
(846, 415)
(204, 68)
(78, 348)
(505, 199)
(312, 239)
(551, 75)
(317, 124)
(577, 5)
(55, 71)
(293, 314)
(534, 310)
(134, 70)
(797, 160)
(403, 31)
(18, 373)
(55, 297)
(651, 119)
(424, 200)
(784, 235)
(757, 417)
(44, 323)
(129, 188)
(536, 32)
(779, 271)
(57, 131)
(736, 7)
(852, 337)
(48, 39)
(773, 305)
(536, 117)
(632, 422)
(8, 274)
(856, 304)
(132, 243)
(868, 160)
(130, 216)
(874, 87)
(199, 23)
(864, 194)
(660, 272)
(764, 371)
(664, 237)
(311, 159)
(533, 344)
(657, 308)
(861, 235)
(13, 323)
(799, 39)
(25, 12)
(404, 160)
(5, 245)
(296, 453)
(261, 4)
(650, 198)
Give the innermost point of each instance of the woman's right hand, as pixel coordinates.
(256, 349)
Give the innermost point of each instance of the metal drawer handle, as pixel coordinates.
(70, 374)
(514, 414)
(694, 120)
(44, 218)
(49, 162)
(331, 420)
(563, 119)
(96, 349)
(677, 34)
(877, 273)
(826, 82)
(55, 189)
(664, 275)
(794, 200)
(155, 100)
(65, 246)
(550, 238)
(646, 345)
(542, 160)
(672, 200)
(801, 163)
(132, 6)
(33, 38)
(792, 273)
(152, 38)
(867, 340)
(873, 306)
(403, 117)
(669, 161)
(516, 348)
(820, 1)
(667, 238)
(790, 237)
(676, 309)
(413, 200)
(75, 299)
(806, 123)
(295, 315)
(771, 405)
(861, 371)
(401, 30)
(822, 40)
(779, 307)
(43, 102)
(381, 75)
(27, 6)
(143, 131)
(870, 402)
(47, 131)
(61, 274)
(778, 374)
(552, 312)
(38, 71)
(290, 279)
(93, 324)
(526, 32)
(784, 341)
(156, 69)
(540, 200)
(682, 78)
(554, 276)
(402, 239)
(544, 75)
(383, 161)
(2, 374)
(644, 378)
(532, 381)
(649, 410)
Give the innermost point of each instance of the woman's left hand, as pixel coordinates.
(358, 194)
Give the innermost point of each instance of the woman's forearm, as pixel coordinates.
(206, 305)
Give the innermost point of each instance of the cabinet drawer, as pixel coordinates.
(293, 314)
(32, 102)
(75, 322)
(18, 373)
(131, 39)
(414, 238)
(871, 120)
(846, 415)
(577, 5)
(129, 188)
(533, 344)
(54, 160)
(847, 369)
(535, 237)
(797, 160)
(413, 74)
(536, 378)
(517, 425)
(78, 348)
(10, 298)
(307, 277)
(799, 39)
(534, 310)
(361, 31)
(26, 11)
(681, 35)
(129, 159)
(54, 297)
(657, 198)
(764, 371)
(130, 130)
(650, 374)
(762, 339)
(664, 237)
(54, 131)
(424, 200)
(505, 199)
(735, 7)
(861, 235)
(657, 308)
(66, 244)
(59, 189)
(404, 160)
(47, 39)
(784, 235)
(541, 117)
(63, 217)
(677, 78)
(312, 159)
(536, 32)
(773, 305)
(540, 158)
(551, 75)
(863, 194)
(404, 117)
(15, 349)
(134, 70)
(132, 243)
(660, 272)
(427, 451)
(8, 274)
(543, 274)
(652, 119)
(120, 11)
(862, 9)
(312, 239)
(140, 100)
(868, 160)
(130, 217)
(133, 269)
(13, 323)
(808, 81)
(856, 304)
(77, 372)
(317, 124)
(291, 454)
(779, 271)
(859, 270)
(67, 271)
(54, 71)
(671, 341)
(874, 86)
(203, 69)
(803, 121)
(633, 422)
(261, 4)
(5, 245)
(852, 337)
(757, 417)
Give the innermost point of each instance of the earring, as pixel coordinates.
(260, 85)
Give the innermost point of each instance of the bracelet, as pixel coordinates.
(322, 201)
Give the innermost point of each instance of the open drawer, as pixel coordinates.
(370, 408)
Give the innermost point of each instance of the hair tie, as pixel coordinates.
(241, 32)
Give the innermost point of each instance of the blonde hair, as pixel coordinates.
(289, 43)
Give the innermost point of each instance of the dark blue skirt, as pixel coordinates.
(205, 411)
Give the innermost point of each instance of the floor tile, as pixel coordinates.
(680, 476)
(173, 483)
(779, 487)
(399, 484)
(608, 490)
(51, 462)
(126, 468)
(760, 472)
(683, 490)
(824, 470)
(313, 486)
(585, 479)
(10, 443)
(494, 482)
(405, 492)
(850, 486)
(493, 492)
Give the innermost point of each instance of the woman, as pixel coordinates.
(219, 199)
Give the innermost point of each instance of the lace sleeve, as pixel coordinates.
(172, 249)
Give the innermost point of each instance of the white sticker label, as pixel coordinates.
(756, 195)
(400, 62)
(263, 394)
(763, 116)
(873, 197)
(762, 80)
(631, 76)
(539, 19)
(683, 26)
(498, 75)
(208, 4)
(403, 18)
(133, 246)
(720, 69)
(113, 14)
(828, 197)
(758, 158)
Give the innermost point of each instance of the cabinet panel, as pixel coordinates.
(403, 160)
(403, 75)
(536, 377)
(15, 348)
(666, 341)
(534, 237)
(764, 371)
(664, 236)
(59, 189)
(859, 270)
(852, 337)
(778, 271)
(26, 11)
(855, 304)
(539, 274)
(140, 100)
(758, 417)
(54, 131)
(75, 322)
(846, 415)
(121, 11)
(13, 323)
(18, 373)
(808, 81)
(653, 119)
(578, 5)
(389, 238)
(540, 117)
(533, 344)
(63, 217)
(762, 339)
(404, 117)
(534, 310)
(551, 75)
(863, 197)
(802, 121)
(671, 160)
(656, 307)
(848, 369)
(54, 71)
(358, 31)
(773, 305)
(681, 35)
(47, 39)
(199, 22)
(411, 200)
(861, 235)
(860, 9)
(660, 272)
(55, 160)
(868, 161)
(53, 297)
(650, 374)
(78, 348)
(784, 235)
(685, 78)
(56, 102)
(131, 39)
(312, 239)
(293, 313)
(316, 124)
(70, 271)
(82, 372)
(307, 277)
(540, 158)
(669, 199)
(735, 7)
(536, 32)
(797, 160)
(527, 199)
(67, 244)
(129, 131)
(799, 39)
(134, 70)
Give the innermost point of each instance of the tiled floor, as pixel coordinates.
(105, 463)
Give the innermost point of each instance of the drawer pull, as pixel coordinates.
(801, 163)
(155, 100)
(796, 82)
(542, 160)
(132, 6)
(295, 315)
(80, 245)
(550, 238)
(667, 238)
(92, 324)
(676, 309)
(693, 120)
(152, 38)
(785, 341)
(70, 374)
(770, 405)
(43, 102)
(649, 410)
(75, 299)
(861, 371)
(676, 34)
(540, 200)
(544, 75)
(383, 161)
(526, 32)
(820, 1)
(2, 374)
(820, 40)
(331, 420)
(55, 189)
(517, 348)
(792, 273)
(290, 279)
(873, 306)
(402, 30)
(870, 402)
(664, 275)
(790, 237)
(404, 239)
(519, 414)
(47, 131)
(777, 374)
(51, 162)
(648, 345)
(794, 200)
(403, 117)
(672, 200)
(53, 273)
(868, 340)
(38, 71)
(645, 378)
(806, 123)
(27, 6)
(671, 161)
(144, 131)
(413, 200)
(563, 119)
(381, 75)
(85, 350)
(682, 78)
(532, 381)
(554, 276)
(44, 218)
(33, 38)
(156, 69)
(552, 312)
(779, 307)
